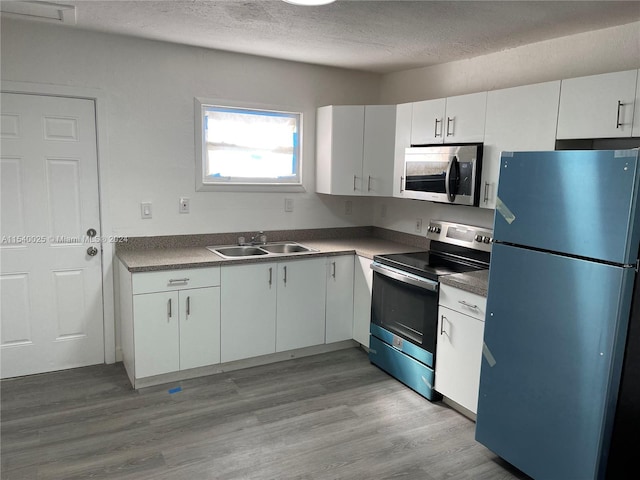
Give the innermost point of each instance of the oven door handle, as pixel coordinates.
(423, 283)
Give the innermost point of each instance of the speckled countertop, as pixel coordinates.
(150, 259)
(474, 282)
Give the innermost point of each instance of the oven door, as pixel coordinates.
(405, 305)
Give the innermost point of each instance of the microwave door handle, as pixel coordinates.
(451, 196)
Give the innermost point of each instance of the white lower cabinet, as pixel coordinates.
(339, 304)
(170, 320)
(272, 307)
(176, 330)
(362, 288)
(300, 318)
(459, 346)
(248, 310)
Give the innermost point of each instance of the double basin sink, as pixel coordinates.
(245, 251)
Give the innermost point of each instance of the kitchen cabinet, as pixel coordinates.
(635, 132)
(459, 353)
(170, 320)
(272, 307)
(458, 119)
(519, 118)
(597, 106)
(248, 310)
(355, 149)
(339, 304)
(300, 319)
(362, 289)
(404, 111)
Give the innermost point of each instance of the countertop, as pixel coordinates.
(153, 259)
(475, 282)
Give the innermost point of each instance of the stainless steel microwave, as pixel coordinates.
(443, 173)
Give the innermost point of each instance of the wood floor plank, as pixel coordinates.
(329, 416)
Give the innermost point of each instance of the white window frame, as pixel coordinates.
(235, 186)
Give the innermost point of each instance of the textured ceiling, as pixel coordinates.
(377, 36)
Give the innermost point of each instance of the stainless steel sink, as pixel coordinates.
(238, 251)
(285, 248)
(271, 249)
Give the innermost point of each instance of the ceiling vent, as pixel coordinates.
(44, 11)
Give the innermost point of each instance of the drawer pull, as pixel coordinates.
(462, 302)
(175, 281)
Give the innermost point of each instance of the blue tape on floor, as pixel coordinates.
(175, 390)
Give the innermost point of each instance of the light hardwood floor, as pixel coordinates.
(330, 416)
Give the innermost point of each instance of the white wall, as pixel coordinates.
(601, 51)
(149, 89)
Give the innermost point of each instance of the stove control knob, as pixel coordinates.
(486, 239)
(437, 229)
(479, 238)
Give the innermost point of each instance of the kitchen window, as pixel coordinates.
(248, 149)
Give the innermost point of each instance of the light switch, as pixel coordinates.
(145, 210)
(288, 204)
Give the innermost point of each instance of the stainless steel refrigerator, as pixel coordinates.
(559, 307)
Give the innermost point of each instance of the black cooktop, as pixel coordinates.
(441, 260)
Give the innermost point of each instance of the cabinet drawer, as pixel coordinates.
(148, 282)
(463, 302)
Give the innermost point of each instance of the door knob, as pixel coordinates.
(91, 232)
(92, 251)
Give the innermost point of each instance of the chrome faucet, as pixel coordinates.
(258, 239)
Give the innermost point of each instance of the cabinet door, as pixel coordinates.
(459, 357)
(339, 304)
(636, 112)
(378, 150)
(156, 330)
(597, 106)
(199, 327)
(339, 150)
(248, 311)
(520, 118)
(301, 304)
(465, 117)
(427, 122)
(402, 141)
(362, 288)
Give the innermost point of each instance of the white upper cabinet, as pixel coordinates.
(597, 106)
(354, 149)
(404, 112)
(636, 113)
(519, 118)
(457, 119)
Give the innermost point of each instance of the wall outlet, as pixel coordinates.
(145, 210)
(184, 205)
(418, 225)
(348, 207)
(288, 204)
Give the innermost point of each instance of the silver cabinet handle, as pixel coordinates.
(449, 123)
(169, 309)
(175, 281)
(270, 276)
(188, 306)
(285, 275)
(618, 123)
(333, 272)
(369, 184)
(354, 183)
(401, 184)
(468, 305)
(486, 192)
(442, 319)
(435, 128)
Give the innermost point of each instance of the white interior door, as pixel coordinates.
(50, 283)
